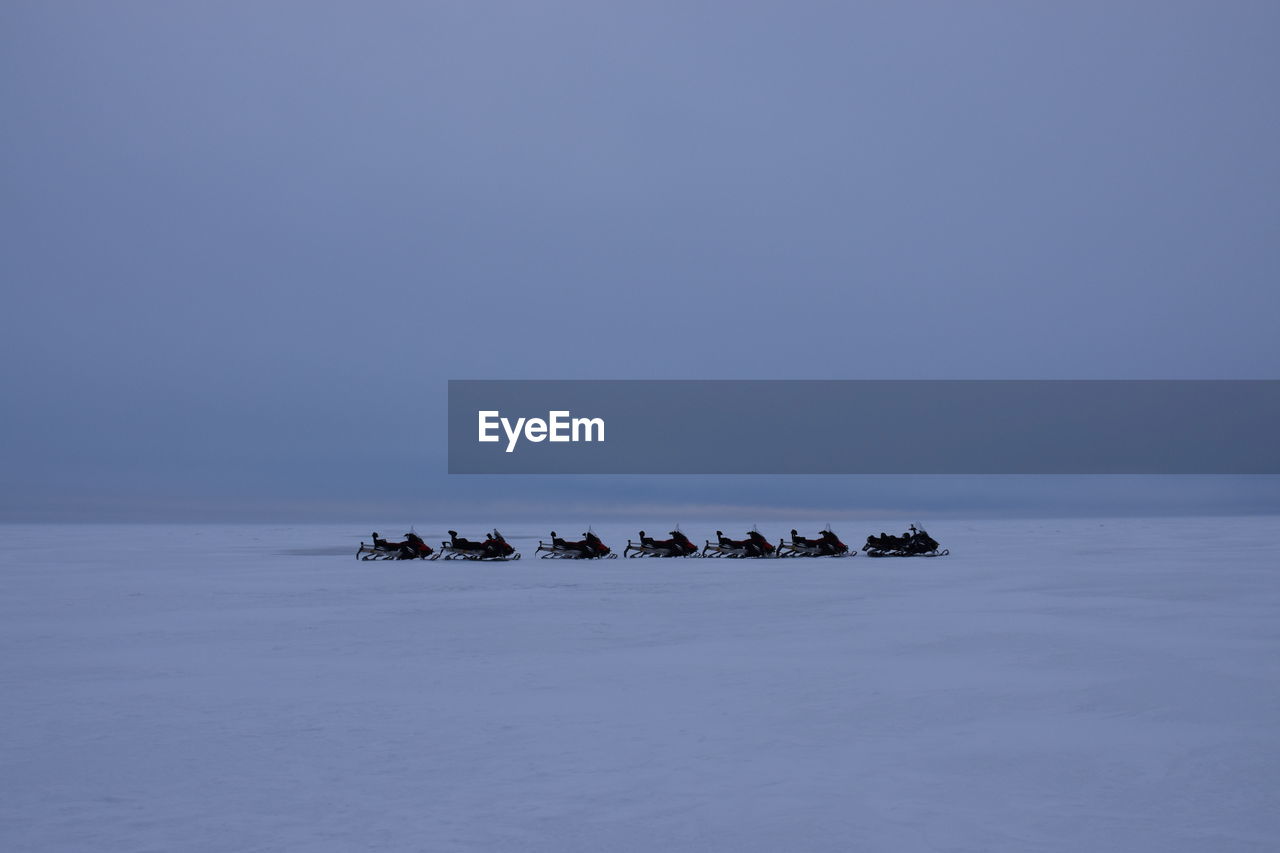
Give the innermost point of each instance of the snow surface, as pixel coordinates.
(1056, 685)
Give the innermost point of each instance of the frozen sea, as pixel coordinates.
(1053, 685)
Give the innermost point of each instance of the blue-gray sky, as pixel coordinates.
(246, 243)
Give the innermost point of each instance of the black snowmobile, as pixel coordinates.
(914, 543)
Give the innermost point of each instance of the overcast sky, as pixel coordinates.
(246, 243)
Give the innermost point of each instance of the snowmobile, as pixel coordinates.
(590, 548)
(494, 548)
(755, 545)
(826, 545)
(914, 543)
(413, 548)
(677, 546)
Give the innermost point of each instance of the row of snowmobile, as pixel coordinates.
(494, 547)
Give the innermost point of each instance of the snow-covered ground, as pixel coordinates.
(1062, 685)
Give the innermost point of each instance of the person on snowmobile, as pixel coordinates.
(413, 547)
(757, 545)
(924, 543)
(831, 544)
(682, 543)
(497, 546)
(595, 548)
